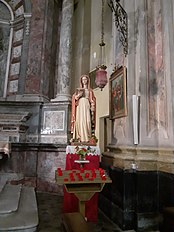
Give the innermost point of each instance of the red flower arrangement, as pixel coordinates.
(82, 152)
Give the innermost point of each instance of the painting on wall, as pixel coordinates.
(118, 93)
(92, 76)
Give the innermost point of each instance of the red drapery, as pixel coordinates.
(70, 200)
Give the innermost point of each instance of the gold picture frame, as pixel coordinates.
(92, 77)
(118, 93)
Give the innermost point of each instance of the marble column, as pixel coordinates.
(55, 115)
(65, 53)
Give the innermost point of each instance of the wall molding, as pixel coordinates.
(140, 158)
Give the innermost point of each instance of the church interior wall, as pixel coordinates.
(86, 39)
(78, 37)
(31, 85)
(140, 172)
(102, 97)
(148, 163)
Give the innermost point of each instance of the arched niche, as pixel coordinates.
(6, 31)
(14, 28)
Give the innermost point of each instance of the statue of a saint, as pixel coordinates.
(83, 112)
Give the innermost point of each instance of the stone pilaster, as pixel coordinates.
(65, 53)
(55, 116)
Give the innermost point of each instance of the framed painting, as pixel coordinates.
(118, 93)
(92, 76)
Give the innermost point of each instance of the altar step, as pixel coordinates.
(18, 209)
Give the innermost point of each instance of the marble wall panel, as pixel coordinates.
(156, 79)
(47, 165)
(149, 73)
(53, 121)
(54, 139)
(48, 60)
(166, 190)
(33, 76)
(35, 166)
(19, 11)
(117, 200)
(138, 196)
(18, 35)
(15, 69)
(47, 186)
(13, 86)
(15, 163)
(147, 198)
(30, 164)
(17, 51)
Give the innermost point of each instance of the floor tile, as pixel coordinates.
(50, 209)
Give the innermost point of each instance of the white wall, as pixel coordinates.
(83, 60)
(102, 97)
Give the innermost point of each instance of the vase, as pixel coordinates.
(82, 157)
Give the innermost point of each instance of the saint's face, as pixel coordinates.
(84, 80)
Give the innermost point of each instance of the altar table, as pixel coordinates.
(70, 200)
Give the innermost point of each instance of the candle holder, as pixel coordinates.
(82, 162)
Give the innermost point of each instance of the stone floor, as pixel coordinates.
(50, 208)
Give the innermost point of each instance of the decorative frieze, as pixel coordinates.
(27, 23)
(27, 27)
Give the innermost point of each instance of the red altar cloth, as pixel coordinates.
(70, 200)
